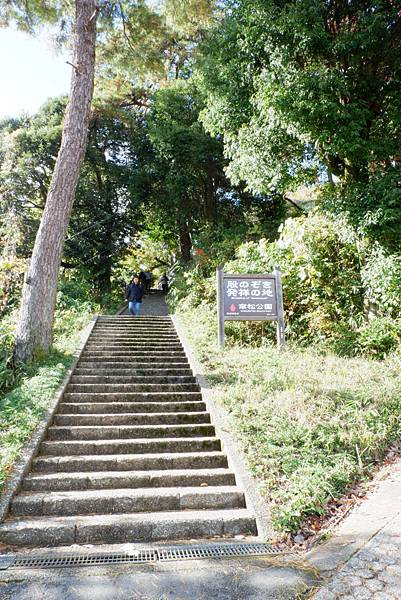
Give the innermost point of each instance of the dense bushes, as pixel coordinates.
(338, 290)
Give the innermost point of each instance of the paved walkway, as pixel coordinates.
(153, 304)
(370, 542)
(246, 579)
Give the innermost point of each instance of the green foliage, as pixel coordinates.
(310, 423)
(11, 276)
(379, 337)
(372, 208)
(106, 200)
(329, 293)
(320, 269)
(381, 278)
(21, 409)
(297, 86)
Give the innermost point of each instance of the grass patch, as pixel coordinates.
(25, 393)
(310, 423)
(22, 408)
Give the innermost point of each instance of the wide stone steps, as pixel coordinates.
(135, 338)
(117, 501)
(138, 446)
(108, 419)
(130, 462)
(139, 527)
(131, 454)
(138, 367)
(128, 379)
(103, 371)
(133, 396)
(127, 479)
(127, 387)
(130, 407)
(103, 432)
(135, 343)
(138, 356)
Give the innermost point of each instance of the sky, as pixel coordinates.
(30, 72)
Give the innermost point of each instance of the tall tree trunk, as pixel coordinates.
(35, 325)
(185, 243)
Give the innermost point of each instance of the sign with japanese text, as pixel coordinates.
(249, 297)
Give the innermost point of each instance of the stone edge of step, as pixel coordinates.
(92, 502)
(31, 448)
(219, 418)
(170, 525)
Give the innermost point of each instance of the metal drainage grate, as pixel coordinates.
(82, 560)
(215, 551)
(141, 556)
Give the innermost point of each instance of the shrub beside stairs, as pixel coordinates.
(131, 455)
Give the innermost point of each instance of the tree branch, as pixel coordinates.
(295, 205)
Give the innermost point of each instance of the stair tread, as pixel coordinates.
(110, 457)
(133, 492)
(111, 474)
(221, 514)
(128, 414)
(126, 427)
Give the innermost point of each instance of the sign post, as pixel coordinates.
(250, 298)
(220, 307)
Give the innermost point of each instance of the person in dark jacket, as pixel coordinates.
(164, 283)
(134, 296)
(142, 279)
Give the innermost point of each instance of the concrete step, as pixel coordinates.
(100, 480)
(130, 462)
(130, 318)
(130, 361)
(127, 501)
(131, 365)
(111, 419)
(126, 317)
(134, 355)
(134, 331)
(122, 528)
(130, 331)
(139, 338)
(134, 346)
(134, 340)
(116, 371)
(137, 446)
(126, 378)
(130, 407)
(128, 432)
(130, 335)
(132, 397)
(89, 388)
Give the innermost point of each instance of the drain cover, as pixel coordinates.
(215, 551)
(151, 555)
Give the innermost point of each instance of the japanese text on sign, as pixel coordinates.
(249, 297)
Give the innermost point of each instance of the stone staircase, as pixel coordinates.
(131, 455)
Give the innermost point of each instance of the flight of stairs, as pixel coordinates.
(131, 455)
